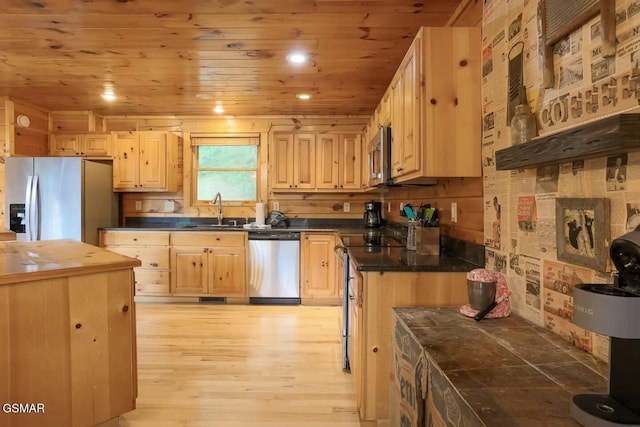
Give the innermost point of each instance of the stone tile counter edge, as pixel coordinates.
(493, 372)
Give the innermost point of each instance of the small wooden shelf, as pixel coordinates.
(609, 136)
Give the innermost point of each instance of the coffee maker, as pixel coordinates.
(613, 311)
(372, 214)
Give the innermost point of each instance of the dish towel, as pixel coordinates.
(503, 309)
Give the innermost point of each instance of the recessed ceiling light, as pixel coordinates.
(218, 109)
(297, 57)
(109, 96)
(303, 96)
(203, 96)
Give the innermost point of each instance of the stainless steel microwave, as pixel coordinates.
(379, 158)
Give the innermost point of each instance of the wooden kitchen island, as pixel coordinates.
(67, 334)
(6, 235)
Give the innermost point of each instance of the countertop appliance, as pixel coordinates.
(274, 267)
(372, 214)
(379, 158)
(59, 198)
(613, 311)
(373, 240)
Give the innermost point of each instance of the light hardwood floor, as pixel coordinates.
(240, 366)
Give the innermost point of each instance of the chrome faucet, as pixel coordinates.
(218, 198)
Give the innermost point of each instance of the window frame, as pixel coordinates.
(213, 140)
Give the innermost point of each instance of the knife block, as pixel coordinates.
(428, 241)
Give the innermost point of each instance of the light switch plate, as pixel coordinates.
(346, 207)
(454, 212)
(169, 206)
(138, 205)
(276, 206)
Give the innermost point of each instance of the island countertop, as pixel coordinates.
(7, 234)
(28, 261)
(498, 372)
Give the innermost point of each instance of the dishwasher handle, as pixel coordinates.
(270, 235)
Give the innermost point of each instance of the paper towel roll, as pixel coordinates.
(260, 213)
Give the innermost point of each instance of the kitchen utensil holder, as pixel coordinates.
(412, 227)
(428, 241)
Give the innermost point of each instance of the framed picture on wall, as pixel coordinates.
(583, 232)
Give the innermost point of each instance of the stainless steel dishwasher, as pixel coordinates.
(274, 267)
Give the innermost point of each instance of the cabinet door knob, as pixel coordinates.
(375, 349)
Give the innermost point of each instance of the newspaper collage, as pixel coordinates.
(520, 205)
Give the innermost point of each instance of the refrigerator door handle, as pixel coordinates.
(35, 209)
(27, 206)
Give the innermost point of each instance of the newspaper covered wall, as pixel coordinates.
(520, 205)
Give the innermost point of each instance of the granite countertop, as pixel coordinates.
(385, 258)
(314, 228)
(399, 259)
(509, 371)
(45, 259)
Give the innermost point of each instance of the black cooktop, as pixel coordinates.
(369, 239)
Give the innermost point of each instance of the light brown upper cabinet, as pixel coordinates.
(339, 162)
(292, 161)
(436, 107)
(316, 162)
(145, 161)
(81, 144)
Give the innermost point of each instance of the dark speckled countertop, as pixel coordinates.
(508, 371)
(400, 259)
(396, 259)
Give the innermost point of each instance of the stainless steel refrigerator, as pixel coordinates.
(59, 198)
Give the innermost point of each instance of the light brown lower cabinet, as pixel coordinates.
(209, 263)
(373, 322)
(318, 269)
(184, 263)
(152, 249)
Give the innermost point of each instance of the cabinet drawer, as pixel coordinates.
(208, 239)
(151, 281)
(151, 257)
(142, 238)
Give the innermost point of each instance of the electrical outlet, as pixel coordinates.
(138, 205)
(389, 207)
(454, 212)
(401, 206)
(346, 207)
(169, 206)
(276, 206)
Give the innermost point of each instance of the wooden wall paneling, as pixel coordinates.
(34, 140)
(468, 14)
(321, 205)
(75, 121)
(466, 192)
(9, 128)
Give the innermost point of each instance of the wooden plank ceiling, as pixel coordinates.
(165, 56)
